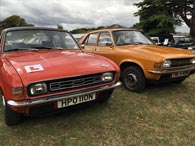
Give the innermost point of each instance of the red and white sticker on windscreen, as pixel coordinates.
(34, 68)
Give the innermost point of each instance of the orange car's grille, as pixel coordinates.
(75, 82)
(181, 62)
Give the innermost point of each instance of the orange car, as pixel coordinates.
(138, 58)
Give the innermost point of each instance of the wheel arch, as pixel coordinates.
(125, 64)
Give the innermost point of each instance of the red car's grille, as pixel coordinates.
(75, 82)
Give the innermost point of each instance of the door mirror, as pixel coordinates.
(82, 46)
(109, 44)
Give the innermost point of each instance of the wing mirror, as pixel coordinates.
(82, 46)
(109, 44)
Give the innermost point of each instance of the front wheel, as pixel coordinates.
(133, 79)
(11, 117)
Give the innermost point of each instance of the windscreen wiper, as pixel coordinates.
(49, 48)
(137, 43)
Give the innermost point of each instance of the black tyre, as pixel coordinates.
(105, 96)
(133, 79)
(11, 117)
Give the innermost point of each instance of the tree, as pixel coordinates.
(85, 30)
(184, 10)
(13, 21)
(154, 18)
(169, 10)
(59, 26)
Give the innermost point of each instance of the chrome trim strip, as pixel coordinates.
(171, 71)
(60, 97)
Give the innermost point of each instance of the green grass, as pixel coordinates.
(162, 115)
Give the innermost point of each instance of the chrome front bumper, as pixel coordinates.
(171, 71)
(60, 97)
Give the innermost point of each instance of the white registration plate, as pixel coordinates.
(75, 100)
(180, 74)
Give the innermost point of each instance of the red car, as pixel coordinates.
(44, 69)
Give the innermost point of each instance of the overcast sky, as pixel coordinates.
(73, 14)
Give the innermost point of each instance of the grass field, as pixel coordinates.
(162, 115)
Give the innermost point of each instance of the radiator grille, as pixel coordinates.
(181, 62)
(75, 82)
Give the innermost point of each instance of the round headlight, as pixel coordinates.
(106, 77)
(167, 63)
(38, 88)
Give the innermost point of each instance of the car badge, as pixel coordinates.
(104, 65)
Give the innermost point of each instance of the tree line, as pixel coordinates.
(13, 21)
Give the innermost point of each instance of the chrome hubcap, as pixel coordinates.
(131, 80)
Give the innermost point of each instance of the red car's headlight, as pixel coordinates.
(38, 89)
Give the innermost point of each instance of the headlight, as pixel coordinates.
(167, 64)
(38, 88)
(193, 60)
(106, 77)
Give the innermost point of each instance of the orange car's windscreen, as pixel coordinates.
(130, 37)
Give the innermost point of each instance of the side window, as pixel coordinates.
(91, 40)
(104, 39)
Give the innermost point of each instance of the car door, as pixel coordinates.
(105, 45)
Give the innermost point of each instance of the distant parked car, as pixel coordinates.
(139, 59)
(44, 69)
(162, 39)
(183, 42)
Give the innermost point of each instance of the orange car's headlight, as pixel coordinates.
(166, 64)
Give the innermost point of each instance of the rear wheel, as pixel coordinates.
(11, 117)
(133, 79)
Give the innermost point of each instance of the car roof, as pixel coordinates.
(31, 28)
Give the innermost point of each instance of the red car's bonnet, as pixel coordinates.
(45, 65)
